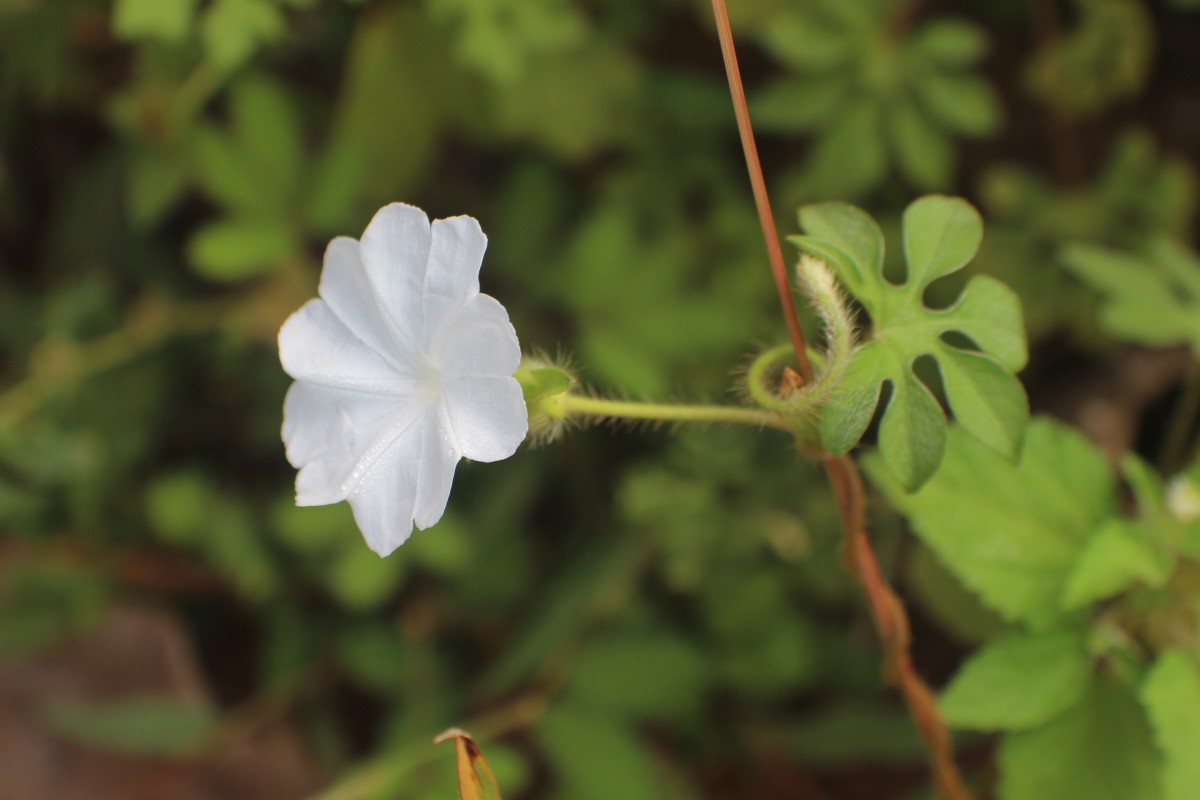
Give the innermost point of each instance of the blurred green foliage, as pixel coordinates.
(878, 96)
(671, 606)
(1103, 606)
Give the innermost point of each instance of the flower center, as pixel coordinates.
(431, 383)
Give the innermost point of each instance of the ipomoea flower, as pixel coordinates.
(402, 368)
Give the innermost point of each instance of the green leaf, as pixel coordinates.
(317, 530)
(176, 504)
(641, 675)
(849, 157)
(924, 154)
(157, 180)
(1145, 484)
(961, 103)
(223, 173)
(167, 20)
(499, 40)
(268, 134)
(233, 30)
(805, 43)
(1116, 558)
(1100, 750)
(846, 419)
(1150, 299)
(595, 758)
(984, 398)
(945, 600)
(1105, 57)
(851, 735)
(794, 105)
(392, 82)
(372, 654)
(237, 249)
(572, 103)
(614, 268)
(1171, 696)
(335, 190)
(601, 570)
(912, 434)
(44, 604)
(849, 240)
(254, 166)
(1012, 532)
(762, 647)
(360, 580)
(950, 42)
(146, 726)
(941, 234)
(1019, 681)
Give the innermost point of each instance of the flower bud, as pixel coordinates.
(545, 386)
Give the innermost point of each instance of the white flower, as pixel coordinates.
(402, 368)
(1183, 498)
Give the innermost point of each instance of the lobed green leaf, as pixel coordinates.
(941, 234)
(1013, 533)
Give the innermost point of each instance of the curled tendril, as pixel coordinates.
(800, 406)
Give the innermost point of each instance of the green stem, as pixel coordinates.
(197, 89)
(1183, 419)
(63, 365)
(623, 409)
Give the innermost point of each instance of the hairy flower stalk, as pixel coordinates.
(554, 400)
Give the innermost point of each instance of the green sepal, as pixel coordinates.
(539, 382)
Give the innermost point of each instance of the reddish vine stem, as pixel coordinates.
(774, 251)
(887, 612)
(891, 621)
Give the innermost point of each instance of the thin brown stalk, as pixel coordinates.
(1066, 151)
(774, 251)
(887, 612)
(891, 622)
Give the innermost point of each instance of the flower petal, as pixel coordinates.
(395, 250)
(328, 433)
(350, 295)
(484, 417)
(316, 346)
(452, 276)
(479, 340)
(386, 495)
(438, 460)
